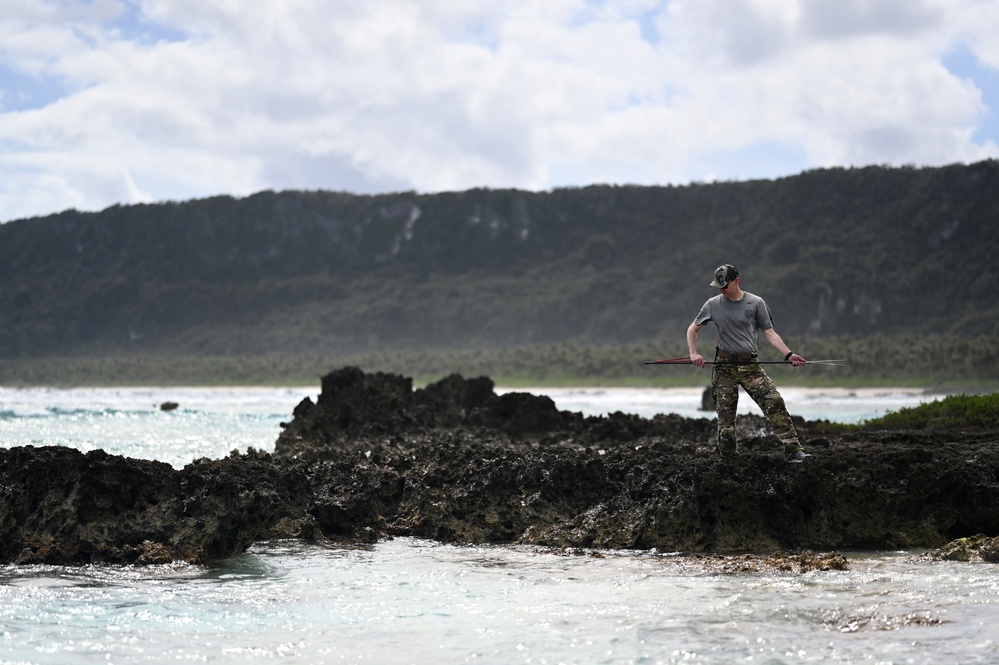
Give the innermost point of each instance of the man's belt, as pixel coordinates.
(735, 357)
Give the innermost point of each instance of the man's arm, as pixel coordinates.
(695, 357)
(778, 343)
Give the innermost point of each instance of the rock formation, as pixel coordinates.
(373, 457)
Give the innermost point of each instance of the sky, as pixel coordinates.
(106, 102)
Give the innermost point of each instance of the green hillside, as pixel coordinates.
(835, 252)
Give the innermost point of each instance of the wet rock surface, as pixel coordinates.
(974, 548)
(59, 505)
(373, 458)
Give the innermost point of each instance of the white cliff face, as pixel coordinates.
(832, 308)
(516, 221)
(404, 214)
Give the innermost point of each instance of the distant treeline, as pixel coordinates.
(282, 275)
(933, 362)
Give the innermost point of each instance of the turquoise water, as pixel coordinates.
(412, 601)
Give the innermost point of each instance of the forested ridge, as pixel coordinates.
(863, 251)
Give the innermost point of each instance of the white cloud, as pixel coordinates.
(851, 18)
(184, 98)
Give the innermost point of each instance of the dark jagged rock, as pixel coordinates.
(453, 461)
(708, 399)
(357, 410)
(972, 548)
(59, 505)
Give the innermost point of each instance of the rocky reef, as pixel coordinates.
(59, 505)
(373, 458)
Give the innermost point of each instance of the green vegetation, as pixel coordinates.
(606, 271)
(955, 410)
(933, 362)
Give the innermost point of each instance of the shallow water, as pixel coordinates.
(211, 422)
(840, 405)
(412, 601)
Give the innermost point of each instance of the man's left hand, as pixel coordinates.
(796, 360)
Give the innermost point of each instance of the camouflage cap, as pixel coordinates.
(723, 275)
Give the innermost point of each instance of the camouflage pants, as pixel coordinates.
(725, 381)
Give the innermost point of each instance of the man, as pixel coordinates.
(738, 317)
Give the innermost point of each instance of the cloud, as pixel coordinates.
(109, 101)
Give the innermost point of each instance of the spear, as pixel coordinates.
(683, 360)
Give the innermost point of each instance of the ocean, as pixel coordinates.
(412, 601)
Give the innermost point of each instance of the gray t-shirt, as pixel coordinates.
(738, 323)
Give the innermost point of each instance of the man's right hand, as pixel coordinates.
(697, 359)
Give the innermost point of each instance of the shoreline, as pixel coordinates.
(937, 364)
(834, 403)
(371, 459)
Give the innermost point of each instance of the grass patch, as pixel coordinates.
(952, 411)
